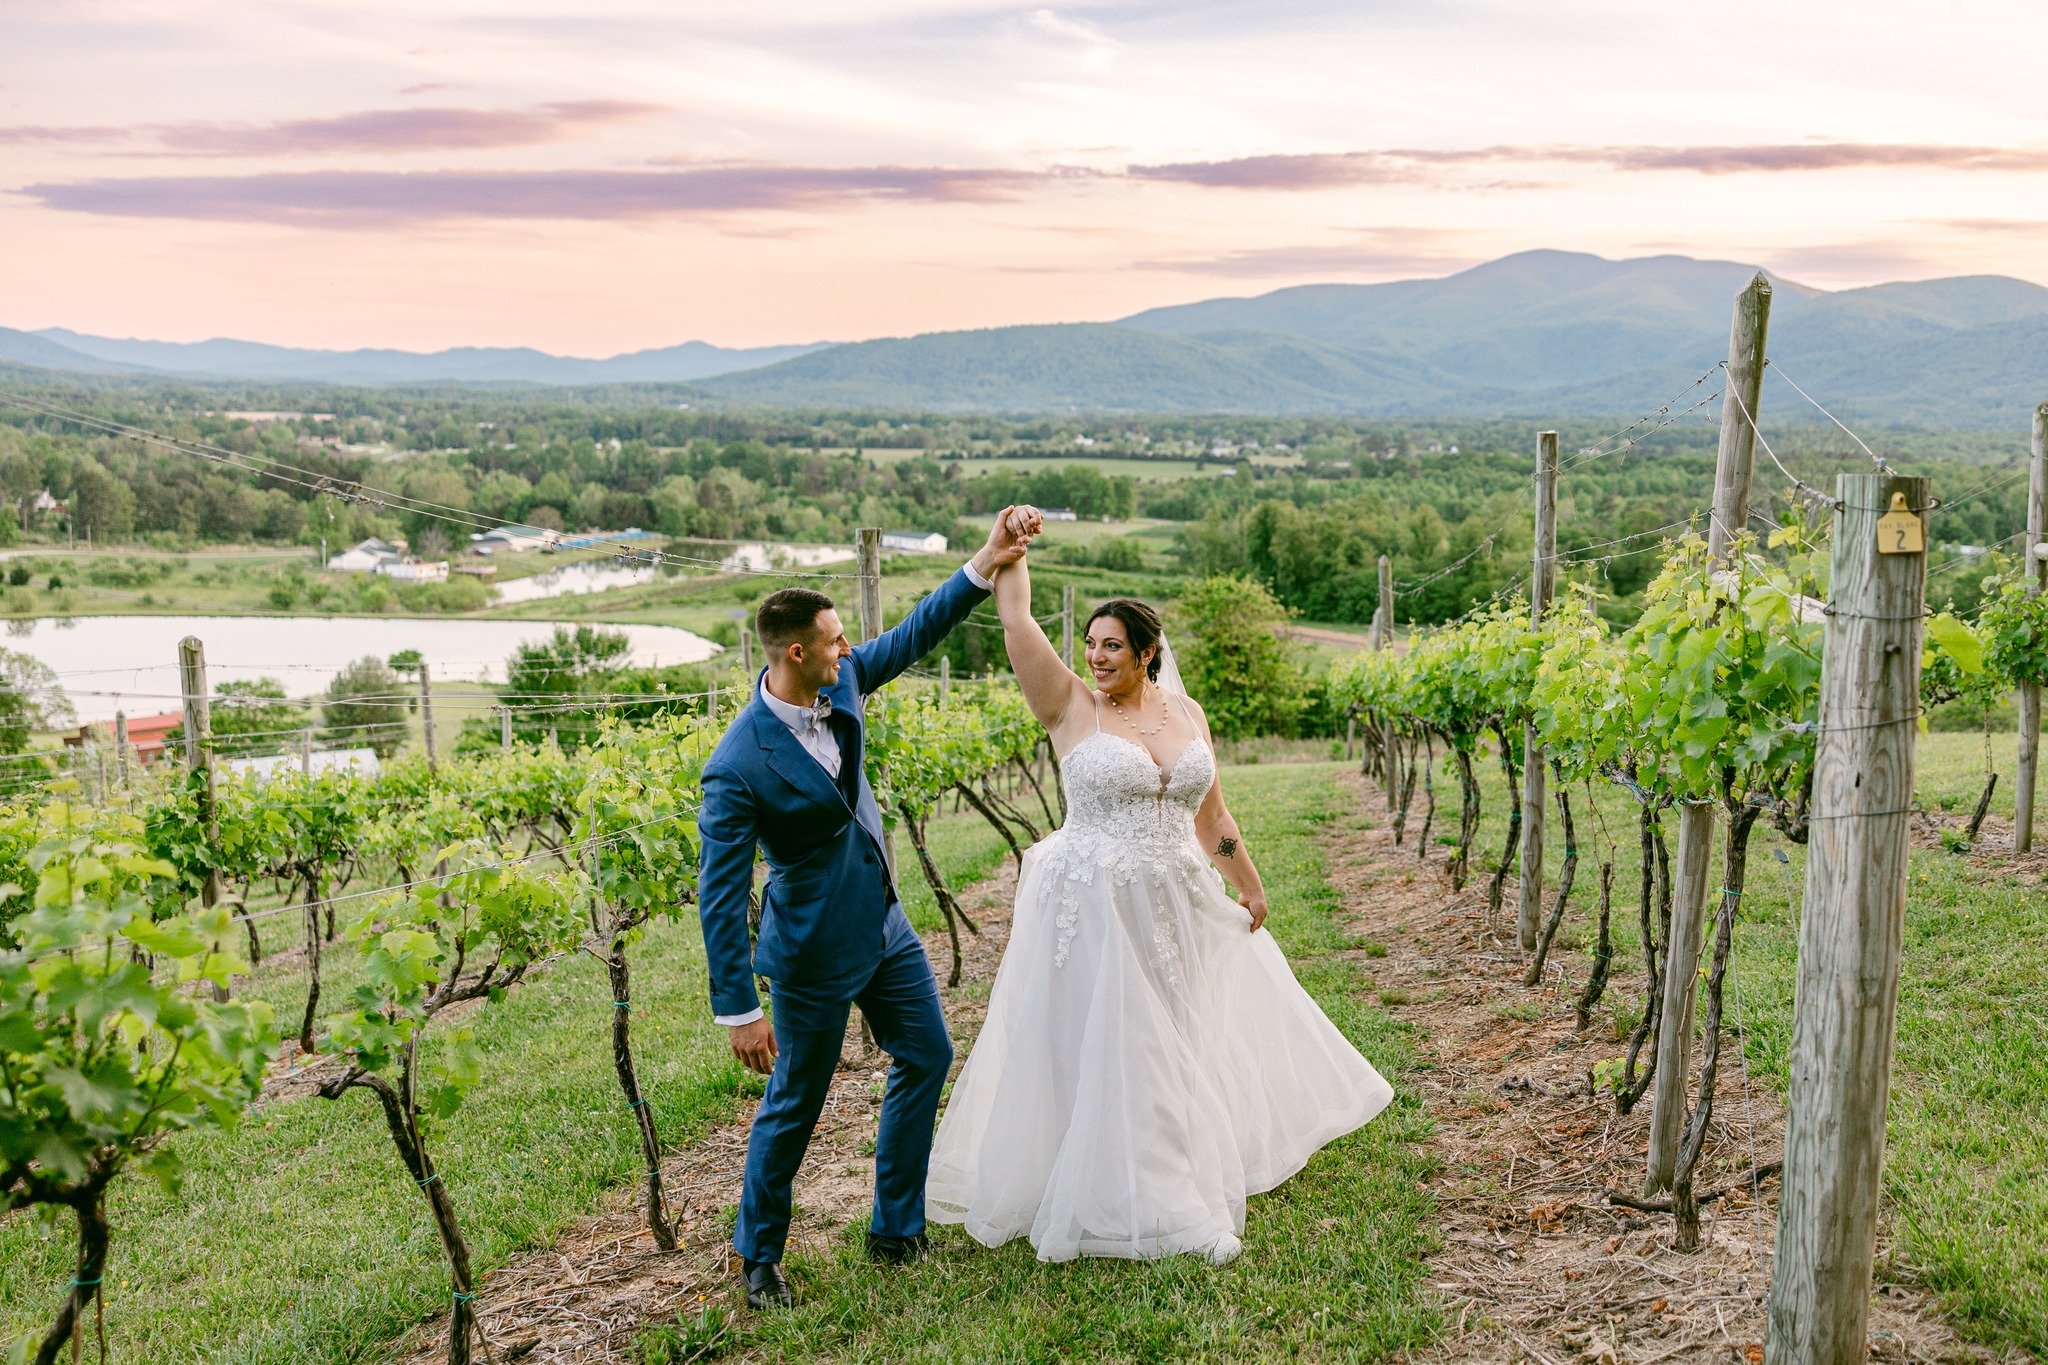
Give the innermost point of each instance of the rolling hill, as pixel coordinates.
(27, 348)
(223, 358)
(1542, 333)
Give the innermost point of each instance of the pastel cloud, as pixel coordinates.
(35, 132)
(1331, 170)
(368, 130)
(378, 198)
(1282, 171)
(1390, 250)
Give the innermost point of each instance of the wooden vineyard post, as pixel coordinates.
(306, 753)
(427, 715)
(2030, 693)
(1067, 624)
(505, 728)
(1846, 1003)
(121, 747)
(945, 678)
(747, 653)
(1742, 390)
(199, 745)
(1542, 584)
(869, 544)
(1382, 635)
(1383, 609)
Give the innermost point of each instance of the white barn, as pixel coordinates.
(369, 556)
(914, 542)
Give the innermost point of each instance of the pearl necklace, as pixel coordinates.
(1165, 714)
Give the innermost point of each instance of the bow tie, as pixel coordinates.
(819, 712)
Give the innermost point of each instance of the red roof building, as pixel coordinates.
(145, 733)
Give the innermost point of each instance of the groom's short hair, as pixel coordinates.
(787, 616)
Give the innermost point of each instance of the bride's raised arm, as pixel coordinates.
(1049, 686)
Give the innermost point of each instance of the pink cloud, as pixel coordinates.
(1822, 156)
(1380, 250)
(369, 130)
(1328, 170)
(1310, 171)
(380, 198)
(396, 130)
(23, 133)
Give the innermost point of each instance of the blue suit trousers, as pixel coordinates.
(901, 1003)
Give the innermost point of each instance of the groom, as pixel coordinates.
(787, 779)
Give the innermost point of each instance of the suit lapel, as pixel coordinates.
(846, 719)
(789, 760)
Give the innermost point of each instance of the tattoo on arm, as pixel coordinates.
(1227, 848)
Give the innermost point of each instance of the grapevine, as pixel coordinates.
(439, 885)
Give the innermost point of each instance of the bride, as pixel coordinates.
(1148, 1059)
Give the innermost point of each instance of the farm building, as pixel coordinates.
(145, 734)
(369, 556)
(914, 542)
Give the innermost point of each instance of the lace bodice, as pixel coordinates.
(1128, 821)
(1113, 785)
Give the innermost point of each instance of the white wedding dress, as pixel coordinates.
(1146, 1063)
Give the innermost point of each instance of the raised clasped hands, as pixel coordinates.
(1012, 534)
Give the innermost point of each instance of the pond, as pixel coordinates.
(603, 575)
(130, 663)
(572, 580)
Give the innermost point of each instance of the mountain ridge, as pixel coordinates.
(231, 358)
(1536, 333)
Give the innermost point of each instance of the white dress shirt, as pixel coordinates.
(819, 741)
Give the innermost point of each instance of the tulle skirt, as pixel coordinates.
(1146, 1063)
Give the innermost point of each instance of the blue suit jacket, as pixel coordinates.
(829, 896)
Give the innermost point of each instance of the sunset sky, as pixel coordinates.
(607, 175)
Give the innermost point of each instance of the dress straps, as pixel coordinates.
(1097, 698)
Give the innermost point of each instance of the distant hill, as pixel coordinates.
(222, 358)
(27, 348)
(1542, 333)
(1088, 366)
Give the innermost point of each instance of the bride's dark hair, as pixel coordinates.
(1142, 627)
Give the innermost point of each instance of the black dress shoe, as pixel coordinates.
(765, 1286)
(897, 1250)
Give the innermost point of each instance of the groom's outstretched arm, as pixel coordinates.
(726, 835)
(880, 660)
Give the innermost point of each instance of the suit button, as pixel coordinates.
(868, 858)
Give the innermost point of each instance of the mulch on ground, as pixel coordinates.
(1536, 1264)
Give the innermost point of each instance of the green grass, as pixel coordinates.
(1332, 1263)
(1966, 1169)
